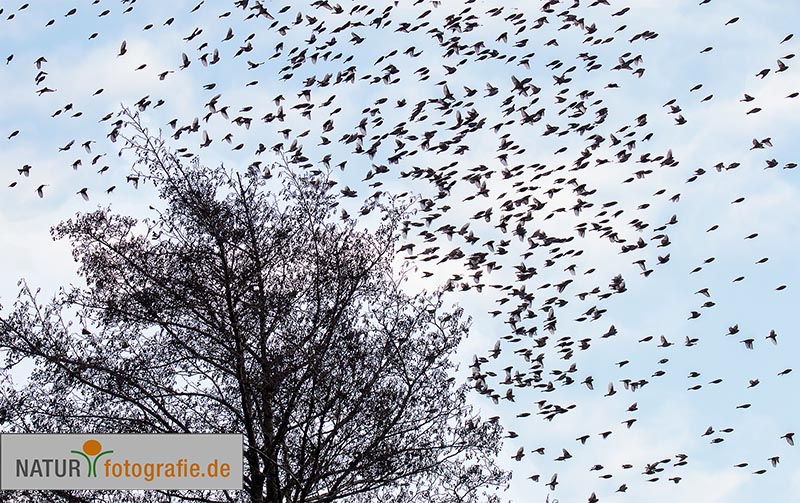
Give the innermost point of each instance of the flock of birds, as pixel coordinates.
(457, 103)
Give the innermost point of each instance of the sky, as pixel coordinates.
(745, 38)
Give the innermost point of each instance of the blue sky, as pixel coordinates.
(671, 419)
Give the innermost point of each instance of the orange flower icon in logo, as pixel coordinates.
(92, 450)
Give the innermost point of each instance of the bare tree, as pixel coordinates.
(237, 309)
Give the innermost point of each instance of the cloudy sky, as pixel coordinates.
(705, 60)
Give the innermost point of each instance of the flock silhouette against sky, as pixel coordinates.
(609, 187)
